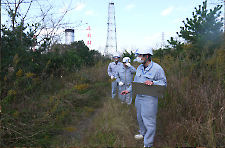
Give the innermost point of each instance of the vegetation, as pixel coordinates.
(41, 92)
(46, 95)
(193, 106)
(130, 55)
(191, 113)
(35, 109)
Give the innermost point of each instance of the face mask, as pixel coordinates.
(139, 60)
(116, 59)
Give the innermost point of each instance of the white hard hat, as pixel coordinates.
(144, 50)
(116, 55)
(126, 60)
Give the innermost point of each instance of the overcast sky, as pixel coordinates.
(138, 22)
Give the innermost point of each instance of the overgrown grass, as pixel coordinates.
(191, 114)
(192, 110)
(113, 126)
(35, 111)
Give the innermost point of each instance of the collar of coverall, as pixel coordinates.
(119, 63)
(148, 67)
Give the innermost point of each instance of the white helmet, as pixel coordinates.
(126, 60)
(144, 50)
(116, 55)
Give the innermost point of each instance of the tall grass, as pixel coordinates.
(113, 126)
(192, 111)
(35, 110)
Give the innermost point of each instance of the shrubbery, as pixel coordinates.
(192, 109)
(42, 92)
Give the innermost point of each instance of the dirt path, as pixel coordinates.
(82, 125)
(75, 138)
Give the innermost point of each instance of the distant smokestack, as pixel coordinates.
(69, 36)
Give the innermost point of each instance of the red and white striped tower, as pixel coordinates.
(89, 37)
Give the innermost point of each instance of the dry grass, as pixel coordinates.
(113, 126)
(33, 113)
(190, 114)
(192, 111)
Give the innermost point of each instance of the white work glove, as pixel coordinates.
(128, 64)
(121, 84)
(112, 77)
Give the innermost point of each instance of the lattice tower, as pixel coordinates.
(111, 43)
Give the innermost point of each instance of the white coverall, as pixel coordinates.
(125, 75)
(112, 70)
(146, 106)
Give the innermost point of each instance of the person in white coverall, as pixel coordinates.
(112, 70)
(149, 73)
(124, 78)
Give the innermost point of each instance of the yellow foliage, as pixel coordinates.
(88, 110)
(221, 56)
(188, 46)
(217, 63)
(49, 61)
(19, 73)
(29, 75)
(70, 129)
(12, 92)
(5, 78)
(52, 76)
(51, 99)
(16, 59)
(81, 86)
(218, 60)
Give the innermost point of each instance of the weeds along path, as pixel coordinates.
(109, 124)
(113, 124)
(92, 85)
(75, 137)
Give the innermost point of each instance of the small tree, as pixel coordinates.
(204, 29)
(130, 55)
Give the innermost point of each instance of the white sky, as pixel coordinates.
(138, 22)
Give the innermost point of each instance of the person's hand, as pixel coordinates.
(124, 92)
(121, 84)
(112, 77)
(128, 64)
(148, 82)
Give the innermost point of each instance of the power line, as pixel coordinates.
(14, 3)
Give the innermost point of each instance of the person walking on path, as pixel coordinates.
(124, 79)
(149, 73)
(112, 70)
